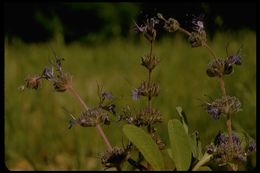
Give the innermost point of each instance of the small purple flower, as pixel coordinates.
(236, 139)
(224, 152)
(198, 24)
(221, 139)
(48, 73)
(107, 95)
(150, 23)
(140, 28)
(135, 94)
(252, 146)
(234, 59)
(214, 111)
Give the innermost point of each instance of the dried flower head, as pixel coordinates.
(197, 39)
(143, 117)
(150, 62)
(224, 152)
(114, 158)
(148, 28)
(225, 105)
(61, 81)
(33, 82)
(91, 117)
(215, 68)
(170, 25)
(146, 89)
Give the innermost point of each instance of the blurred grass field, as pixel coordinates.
(36, 127)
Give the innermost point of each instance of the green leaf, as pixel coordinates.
(169, 151)
(204, 168)
(183, 118)
(146, 145)
(180, 145)
(205, 158)
(195, 145)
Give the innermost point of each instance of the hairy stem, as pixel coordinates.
(149, 101)
(229, 127)
(222, 86)
(228, 123)
(210, 50)
(104, 137)
(77, 96)
(98, 127)
(184, 31)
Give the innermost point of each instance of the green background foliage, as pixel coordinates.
(36, 127)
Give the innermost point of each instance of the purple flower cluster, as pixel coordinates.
(223, 151)
(150, 23)
(137, 92)
(107, 95)
(234, 59)
(214, 111)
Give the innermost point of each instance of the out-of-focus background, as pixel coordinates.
(99, 44)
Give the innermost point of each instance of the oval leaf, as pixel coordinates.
(183, 118)
(180, 146)
(204, 168)
(195, 145)
(146, 146)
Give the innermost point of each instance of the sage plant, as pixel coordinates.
(227, 149)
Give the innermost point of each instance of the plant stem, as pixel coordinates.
(222, 86)
(77, 96)
(202, 161)
(184, 31)
(205, 44)
(228, 123)
(229, 127)
(210, 50)
(104, 137)
(98, 127)
(149, 102)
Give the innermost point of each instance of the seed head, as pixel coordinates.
(114, 158)
(197, 39)
(225, 105)
(148, 28)
(215, 68)
(33, 82)
(150, 62)
(223, 152)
